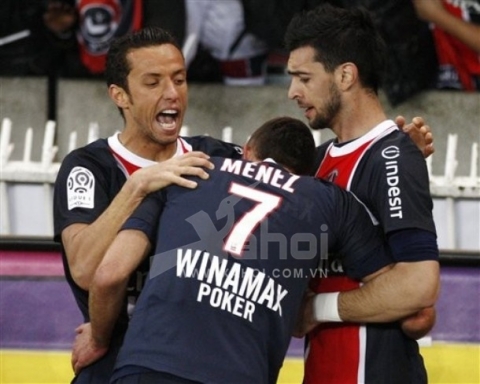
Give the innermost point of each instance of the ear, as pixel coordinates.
(249, 153)
(119, 96)
(346, 75)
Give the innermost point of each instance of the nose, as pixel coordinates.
(170, 90)
(292, 90)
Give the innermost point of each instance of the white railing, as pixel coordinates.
(456, 198)
(451, 185)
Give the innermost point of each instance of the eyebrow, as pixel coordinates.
(155, 74)
(297, 73)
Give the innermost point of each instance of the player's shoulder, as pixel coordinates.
(395, 139)
(396, 146)
(214, 147)
(93, 155)
(96, 149)
(313, 188)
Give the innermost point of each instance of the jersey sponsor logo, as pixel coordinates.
(391, 153)
(332, 176)
(394, 192)
(330, 266)
(230, 286)
(80, 188)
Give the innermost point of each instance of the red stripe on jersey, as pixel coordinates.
(335, 349)
(182, 145)
(329, 341)
(128, 166)
(339, 169)
(131, 162)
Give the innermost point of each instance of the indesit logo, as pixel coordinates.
(391, 152)
(394, 192)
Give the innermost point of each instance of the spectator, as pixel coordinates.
(219, 27)
(31, 44)
(411, 57)
(221, 49)
(90, 27)
(61, 18)
(456, 30)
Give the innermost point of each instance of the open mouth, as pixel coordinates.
(167, 119)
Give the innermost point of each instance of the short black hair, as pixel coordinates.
(117, 66)
(340, 35)
(286, 140)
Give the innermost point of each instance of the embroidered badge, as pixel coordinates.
(80, 188)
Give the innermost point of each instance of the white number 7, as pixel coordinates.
(247, 223)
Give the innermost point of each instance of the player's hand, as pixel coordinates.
(419, 324)
(165, 173)
(305, 321)
(419, 132)
(85, 351)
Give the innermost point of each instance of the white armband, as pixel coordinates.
(325, 307)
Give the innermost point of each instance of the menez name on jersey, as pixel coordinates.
(228, 285)
(260, 172)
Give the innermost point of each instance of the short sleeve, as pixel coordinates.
(84, 188)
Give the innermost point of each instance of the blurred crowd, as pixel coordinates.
(432, 43)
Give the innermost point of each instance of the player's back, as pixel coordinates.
(232, 261)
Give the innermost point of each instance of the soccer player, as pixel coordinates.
(98, 186)
(336, 60)
(232, 261)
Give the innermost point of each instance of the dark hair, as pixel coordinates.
(117, 66)
(341, 35)
(286, 140)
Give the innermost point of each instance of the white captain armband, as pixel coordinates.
(325, 307)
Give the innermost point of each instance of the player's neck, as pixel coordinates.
(146, 148)
(357, 117)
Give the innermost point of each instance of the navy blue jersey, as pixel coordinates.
(88, 180)
(232, 260)
(389, 174)
(391, 178)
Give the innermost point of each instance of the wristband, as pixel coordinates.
(325, 307)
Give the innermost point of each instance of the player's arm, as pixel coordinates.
(412, 284)
(391, 292)
(405, 213)
(360, 243)
(434, 11)
(107, 294)
(85, 244)
(409, 286)
(419, 324)
(403, 290)
(419, 132)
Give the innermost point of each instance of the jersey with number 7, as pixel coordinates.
(232, 261)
